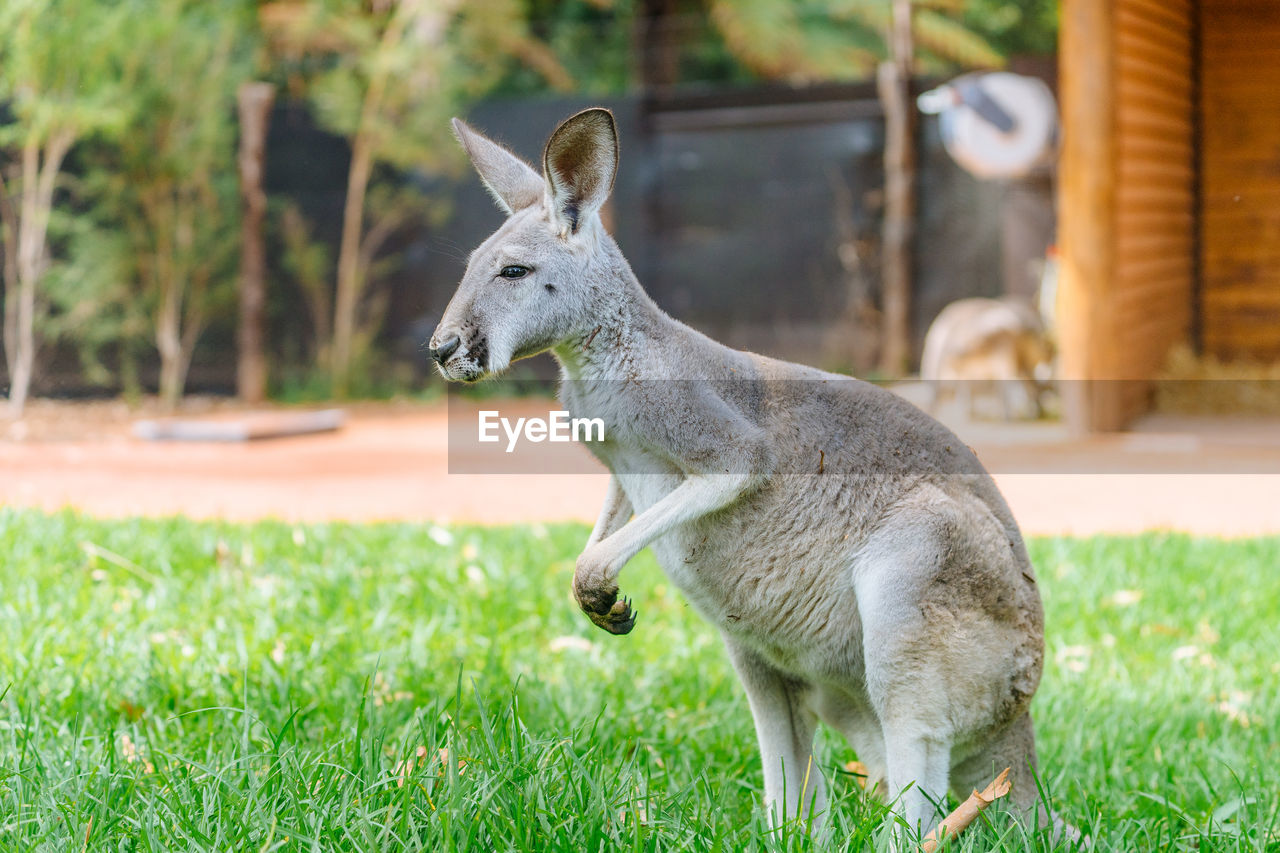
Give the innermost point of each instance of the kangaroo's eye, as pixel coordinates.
(514, 271)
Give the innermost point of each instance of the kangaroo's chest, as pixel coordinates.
(766, 572)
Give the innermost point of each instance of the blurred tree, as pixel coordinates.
(593, 40)
(168, 183)
(308, 261)
(64, 75)
(393, 73)
(93, 297)
(811, 41)
(612, 45)
(1015, 27)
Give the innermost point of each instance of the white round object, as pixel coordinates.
(979, 145)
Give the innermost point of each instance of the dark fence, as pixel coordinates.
(753, 215)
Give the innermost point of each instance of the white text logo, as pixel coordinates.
(559, 427)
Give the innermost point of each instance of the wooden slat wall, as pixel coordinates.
(1240, 175)
(1126, 201)
(1155, 193)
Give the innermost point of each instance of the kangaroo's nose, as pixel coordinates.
(446, 349)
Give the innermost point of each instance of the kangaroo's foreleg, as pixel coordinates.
(615, 513)
(595, 581)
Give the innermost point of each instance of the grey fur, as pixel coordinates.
(889, 595)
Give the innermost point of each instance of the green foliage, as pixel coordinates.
(395, 72)
(1015, 27)
(94, 300)
(143, 90)
(593, 40)
(163, 193)
(308, 262)
(810, 41)
(392, 74)
(725, 41)
(62, 65)
(171, 685)
(372, 380)
(64, 75)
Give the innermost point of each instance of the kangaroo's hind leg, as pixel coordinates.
(918, 660)
(952, 648)
(918, 735)
(1014, 747)
(919, 759)
(793, 784)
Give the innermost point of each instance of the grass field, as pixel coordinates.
(171, 685)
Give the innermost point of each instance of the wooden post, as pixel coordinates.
(1086, 207)
(894, 86)
(659, 55)
(254, 100)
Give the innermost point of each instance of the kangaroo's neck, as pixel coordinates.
(622, 329)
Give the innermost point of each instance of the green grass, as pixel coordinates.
(181, 686)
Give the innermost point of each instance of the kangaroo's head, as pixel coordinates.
(534, 283)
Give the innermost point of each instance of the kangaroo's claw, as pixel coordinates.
(618, 618)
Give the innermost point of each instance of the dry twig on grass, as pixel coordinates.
(966, 812)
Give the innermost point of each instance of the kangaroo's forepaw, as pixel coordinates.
(605, 609)
(620, 618)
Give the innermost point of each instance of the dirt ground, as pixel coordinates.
(391, 461)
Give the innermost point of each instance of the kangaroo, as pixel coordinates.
(1000, 344)
(859, 562)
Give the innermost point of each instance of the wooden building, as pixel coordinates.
(1169, 202)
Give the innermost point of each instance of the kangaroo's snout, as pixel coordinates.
(461, 355)
(448, 347)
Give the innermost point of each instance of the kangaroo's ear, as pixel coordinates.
(580, 163)
(512, 182)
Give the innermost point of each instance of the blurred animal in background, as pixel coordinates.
(996, 347)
